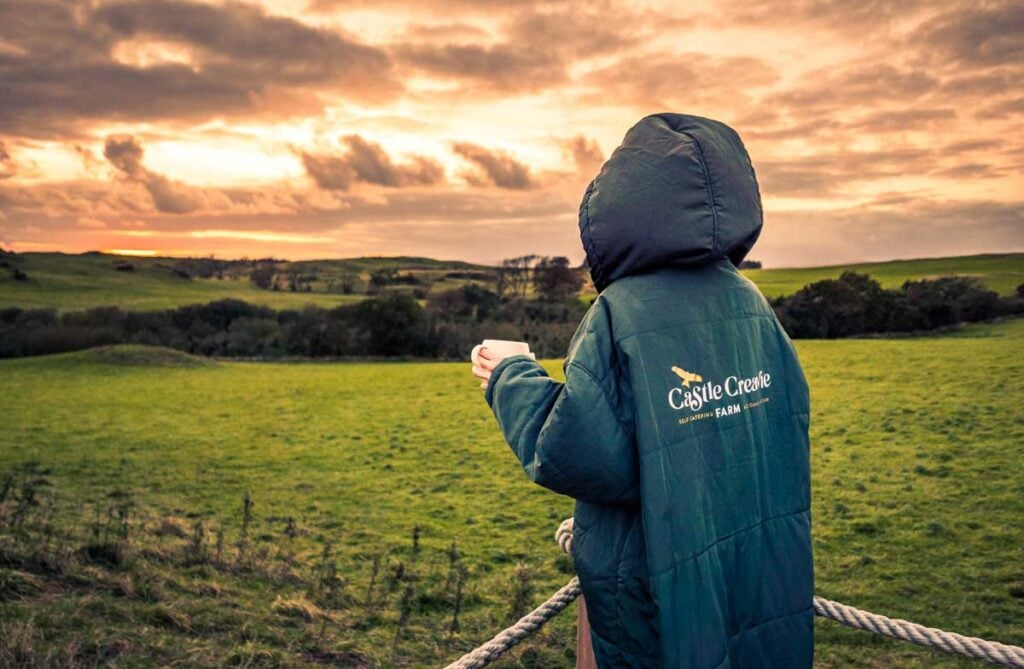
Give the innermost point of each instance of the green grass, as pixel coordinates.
(918, 488)
(70, 282)
(1000, 272)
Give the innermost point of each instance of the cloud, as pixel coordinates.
(577, 30)
(536, 45)
(824, 174)
(1000, 110)
(125, 153)
(900, 120)
(486, 7)
(367, 162)
(443, 32)
(206, 61)
(7, 167)
(971, 146)
(837, 102)
(493, 168)
(920, 228)
(678, 81)
(977, 34)
(857, 85)
(586, 154)
(173, 197)
(503, 67)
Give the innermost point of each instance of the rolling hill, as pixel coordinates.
(72, 282)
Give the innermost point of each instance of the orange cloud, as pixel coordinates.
(213, 124)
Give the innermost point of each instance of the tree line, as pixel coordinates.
(855, 304)
(395, 324)
(390, 324)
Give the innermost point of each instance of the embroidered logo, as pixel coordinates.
(686, 376)
(704, 399)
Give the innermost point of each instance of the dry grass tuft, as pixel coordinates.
(299, 607)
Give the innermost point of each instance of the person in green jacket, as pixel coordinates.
(681, 429)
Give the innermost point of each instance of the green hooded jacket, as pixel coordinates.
(681, 428)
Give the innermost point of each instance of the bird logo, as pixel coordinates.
(687, 377)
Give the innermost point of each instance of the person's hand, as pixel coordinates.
(487, 360)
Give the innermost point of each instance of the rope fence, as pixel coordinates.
(950, 642)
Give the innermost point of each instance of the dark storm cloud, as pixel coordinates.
(367, 162)
(494, 168)
(59, 67)
(978, 34)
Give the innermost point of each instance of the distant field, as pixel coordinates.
(917, 465)
(1001, 273)
(70, 282)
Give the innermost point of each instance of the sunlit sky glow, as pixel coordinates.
(468, 129)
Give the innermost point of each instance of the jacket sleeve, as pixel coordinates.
(576, 438)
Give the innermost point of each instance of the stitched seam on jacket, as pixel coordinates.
(735, 317)
(719, 540)
(772, 620)
(767, 417)
(711, 191)
(498, 370)
(619, 648)
(611, 403)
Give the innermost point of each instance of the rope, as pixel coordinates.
(992, 651)
(950, 642)
(527, 625)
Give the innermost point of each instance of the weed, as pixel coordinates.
(522, 591)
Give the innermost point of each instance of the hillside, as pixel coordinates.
(71, 282)
(1000, 272)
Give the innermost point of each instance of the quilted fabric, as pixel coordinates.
(681, 428)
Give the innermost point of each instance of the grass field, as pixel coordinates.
(1000, 272)
(918, 475)
(70, 282)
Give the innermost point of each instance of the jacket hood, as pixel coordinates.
(679, 191)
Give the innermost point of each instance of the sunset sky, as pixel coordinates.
(468, 129)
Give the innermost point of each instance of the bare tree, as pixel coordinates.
(515, 275)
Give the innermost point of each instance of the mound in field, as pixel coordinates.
(137, 355)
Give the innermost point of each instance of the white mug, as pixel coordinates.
(503, 347)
